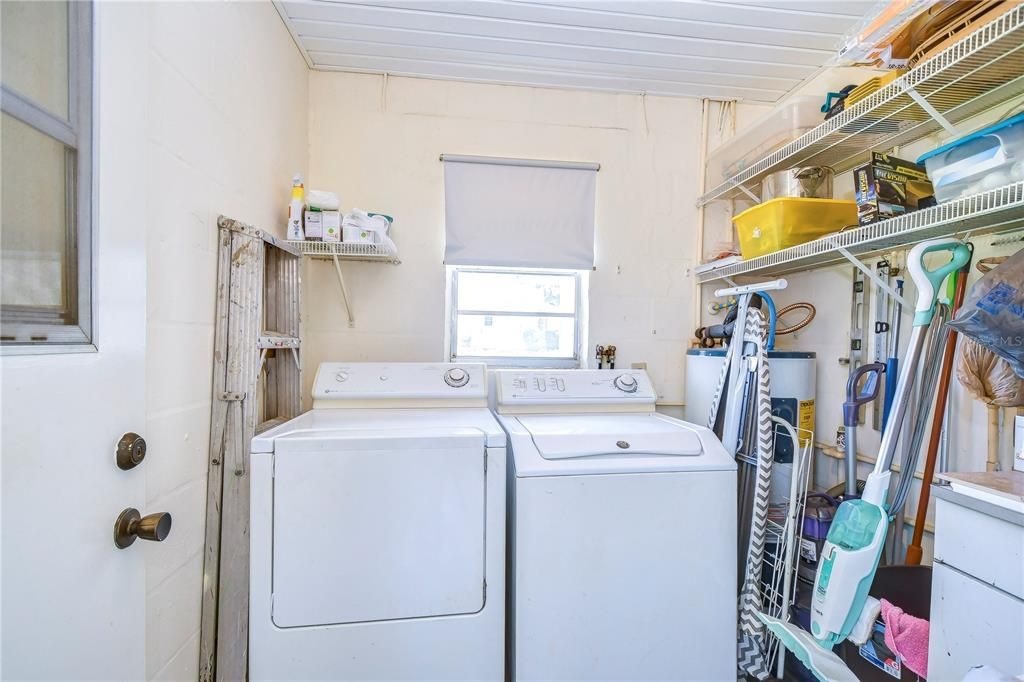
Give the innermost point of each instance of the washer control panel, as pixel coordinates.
(400, 380)
(574, 387)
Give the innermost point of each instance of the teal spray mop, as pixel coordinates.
(840, 605)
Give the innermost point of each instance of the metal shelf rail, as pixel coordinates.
(350, 251)
(980, 71)
(997, 210)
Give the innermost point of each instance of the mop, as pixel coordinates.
(840, 605)
(748, 351)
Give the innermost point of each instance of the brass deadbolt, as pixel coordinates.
(131, 525)
(131, 450)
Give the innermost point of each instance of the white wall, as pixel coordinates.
(227, 129)
(378, 147)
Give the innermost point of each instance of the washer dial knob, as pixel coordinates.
(456, 377)
(341, 377)
(625, 382)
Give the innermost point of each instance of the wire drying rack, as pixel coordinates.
(784, 533)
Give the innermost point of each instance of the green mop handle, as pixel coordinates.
(927, 283)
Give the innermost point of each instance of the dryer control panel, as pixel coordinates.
(399, 381)
(564, 388)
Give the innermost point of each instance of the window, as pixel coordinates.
(516, 317)
(46, 159)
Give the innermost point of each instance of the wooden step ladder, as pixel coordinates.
(257, 384)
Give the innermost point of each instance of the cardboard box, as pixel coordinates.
(331, 224)
(888, 187)
(314, 226)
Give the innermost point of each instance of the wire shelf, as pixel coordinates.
(980, 71)
(376, 253)
(783, 535)
(997, 210)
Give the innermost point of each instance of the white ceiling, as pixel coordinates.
(753, 50)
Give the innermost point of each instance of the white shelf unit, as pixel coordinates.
(982, 70)
(998, 210)
(374, 253)
(347, 251)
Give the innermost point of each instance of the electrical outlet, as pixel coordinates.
(638, 365)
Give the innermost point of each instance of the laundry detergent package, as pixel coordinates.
(993, 312)
(888, 187)
(331, 225)
(314, 225)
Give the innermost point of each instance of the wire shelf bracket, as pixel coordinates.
(350, 251)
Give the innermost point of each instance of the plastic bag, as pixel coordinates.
(993, 312)
(987, 376)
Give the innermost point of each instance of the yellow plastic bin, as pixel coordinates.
(787, 221)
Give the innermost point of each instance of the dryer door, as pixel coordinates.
(372, 526)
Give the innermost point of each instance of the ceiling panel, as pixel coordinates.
(753, 51)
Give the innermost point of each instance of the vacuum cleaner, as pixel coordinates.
(840, 605)
(861, 388)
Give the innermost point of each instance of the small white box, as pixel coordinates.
(314, 225)
(331, 225)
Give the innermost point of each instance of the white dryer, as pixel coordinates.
(378, 530)
(622, 533)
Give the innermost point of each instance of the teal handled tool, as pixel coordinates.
(840, 605)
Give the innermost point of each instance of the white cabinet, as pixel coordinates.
(977, 611)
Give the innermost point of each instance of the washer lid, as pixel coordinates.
(328, 423)
(572, 436)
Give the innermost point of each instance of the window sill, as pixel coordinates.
(14, 350)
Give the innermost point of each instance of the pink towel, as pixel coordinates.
(907, 636)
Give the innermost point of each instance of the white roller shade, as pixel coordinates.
(519, 213)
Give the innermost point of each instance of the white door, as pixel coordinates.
(72, 603)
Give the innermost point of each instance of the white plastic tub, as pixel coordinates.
(785, 123)
(990, 158)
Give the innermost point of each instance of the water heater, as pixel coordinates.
(793, 389)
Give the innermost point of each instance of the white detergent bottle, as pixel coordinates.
(295, 209)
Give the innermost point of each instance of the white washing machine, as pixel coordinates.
(378, 530)
(622, 533)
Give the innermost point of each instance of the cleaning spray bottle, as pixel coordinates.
(295, 209)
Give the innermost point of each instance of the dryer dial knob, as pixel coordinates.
(456, 378)
(341, 377)
(625, 382)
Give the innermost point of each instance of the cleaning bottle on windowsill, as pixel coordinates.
(295, 209)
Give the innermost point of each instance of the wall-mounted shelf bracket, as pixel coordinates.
(753, 197)
(344, 291)
(350, 251)
(870, 274)
(934, 113)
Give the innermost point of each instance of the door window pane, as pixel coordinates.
(34, 224)
(35, 52)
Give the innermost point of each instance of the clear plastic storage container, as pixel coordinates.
(784, 124)
(781, 223)
(990, 158)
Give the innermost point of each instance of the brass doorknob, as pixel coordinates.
(131, 450)
(130, 525)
